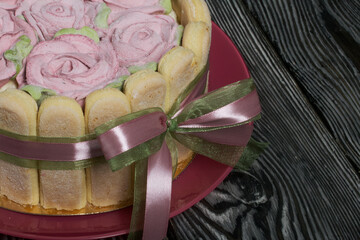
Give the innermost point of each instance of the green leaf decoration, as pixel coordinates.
(17, 54)
(119, 83)
(101, 19)
(85, 31)
(179, 34)
(38, 93)
(150, 65)
(166, 4)
(21, 17)
(252, 151)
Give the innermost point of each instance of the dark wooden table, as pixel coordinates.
(305, 58)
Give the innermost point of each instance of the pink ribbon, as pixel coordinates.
(133, 133)
(158, 194)
(61, 152)
(241, 110)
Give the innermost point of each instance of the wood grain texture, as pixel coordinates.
(319, 41)
(305, 185)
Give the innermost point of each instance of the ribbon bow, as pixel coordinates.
(217, 125)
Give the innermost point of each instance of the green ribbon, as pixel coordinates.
(48, 165)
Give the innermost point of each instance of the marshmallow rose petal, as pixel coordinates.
(118, 7)
(49, 16)
(126, 4)
(11, 30)
(7, 70)
(139, 38)
(72, 65)
(9, 4)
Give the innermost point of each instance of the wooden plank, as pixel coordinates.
(319, 42)
(303, 186)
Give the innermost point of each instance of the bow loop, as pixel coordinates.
(133, 137)
(229, 106)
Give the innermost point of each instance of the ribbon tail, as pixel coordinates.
(158, 194)
(138, 211)
(252, 152)
(150, 217)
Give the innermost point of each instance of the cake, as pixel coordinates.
(67, 67)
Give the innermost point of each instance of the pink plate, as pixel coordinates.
(199, 179)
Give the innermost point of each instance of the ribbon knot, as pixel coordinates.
(172, 125)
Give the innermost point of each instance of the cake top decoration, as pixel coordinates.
(76, 47)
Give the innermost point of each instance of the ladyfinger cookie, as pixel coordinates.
(61, 189)
(197, 38)
(178, 69)
(18, 115)
(105, 187)
(192, 11)
(145, 89)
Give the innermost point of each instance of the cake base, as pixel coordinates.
(38, 210)
(89, 208)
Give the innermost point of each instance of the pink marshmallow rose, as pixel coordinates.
(11, 29)
(72, 65)
(139, 38)
(49, 16)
